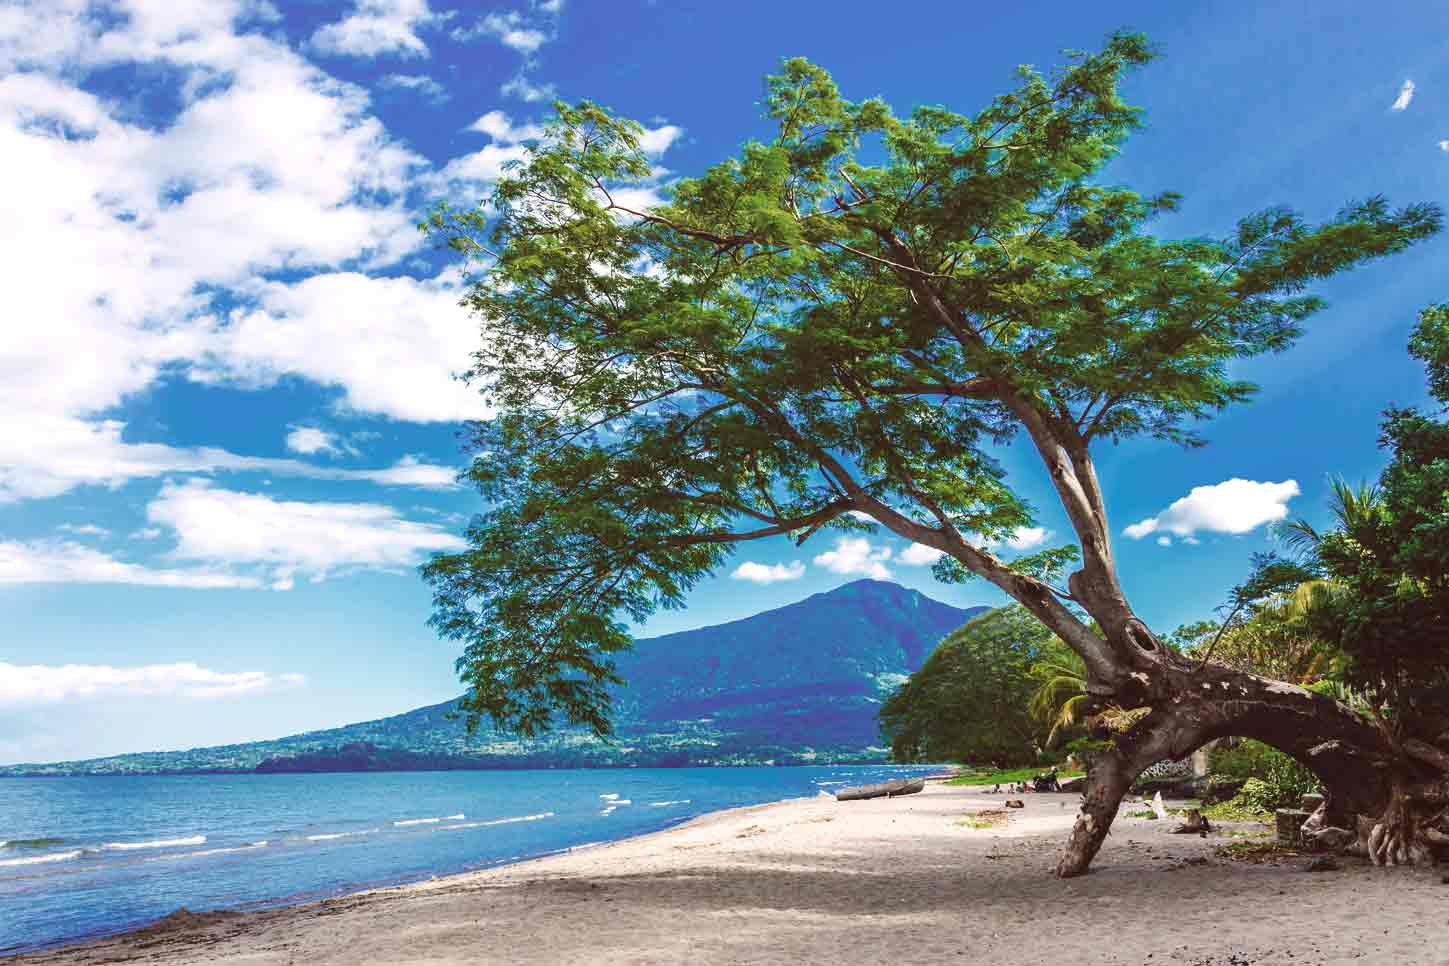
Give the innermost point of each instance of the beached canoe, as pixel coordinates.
(881, 790)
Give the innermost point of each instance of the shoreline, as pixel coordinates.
(185, 917)
(874, 881)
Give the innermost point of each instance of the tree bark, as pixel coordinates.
(1190, 706)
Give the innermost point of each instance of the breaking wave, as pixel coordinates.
(329, 836)
(430, 821)
(39, 859)
(155, 843)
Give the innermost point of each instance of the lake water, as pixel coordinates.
(83, 857)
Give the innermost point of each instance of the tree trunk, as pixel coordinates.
(1380, 797)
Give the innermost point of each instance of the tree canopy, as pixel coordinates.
(1387, 557)
(846, 318)
(970, 700)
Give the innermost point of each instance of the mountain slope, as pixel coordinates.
(799, 683)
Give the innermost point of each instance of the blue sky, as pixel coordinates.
(226, 355)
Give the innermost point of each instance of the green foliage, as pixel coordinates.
(1004, 776)
(1276, 629)
(1273, 779)
(849, 316)
(969, 701)
(1061, 700)
(1388, 557)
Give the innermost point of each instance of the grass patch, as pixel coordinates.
(982, 820)
(1002, 776)
(1257, 853)
(1235, 811)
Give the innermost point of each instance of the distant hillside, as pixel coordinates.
(798, 684)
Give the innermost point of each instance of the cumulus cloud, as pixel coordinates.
(1232, 506)
(855, 555)
(310, 440)
(511, 28)
(526, 89)
(1026, 538)
(656, 140)
(284, 539)
(392, 345)
(377, 27)
(920, 555)
(67, 562)
(758, 573)
(268, 164)
(497, 126)
(1406, 95)
(419, 84)
(34, 684)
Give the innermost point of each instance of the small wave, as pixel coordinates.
(235, 848)
(40, 843)
(38, 859)
(622, 801)
(430, 821)
(610, 796)
(329, 836)
(499, 821)
(607, 811)
(673, 801)
(156, 844)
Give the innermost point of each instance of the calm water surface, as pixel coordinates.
(82, 857)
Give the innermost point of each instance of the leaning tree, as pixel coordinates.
(841, 325)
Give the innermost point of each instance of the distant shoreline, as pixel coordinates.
(884, 762)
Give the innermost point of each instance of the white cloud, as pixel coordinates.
(1444, 145)
(854, 555)
(48, 456)
(84, 530)
(497, 126)
(525, 89)
(1164, 541)
(1232, 506)
(920, 555)
(657, 140)
(40, 684)
(419, 84)
(1027, 538)
(377, 27)
(758, 573)
(393, 345)
(268, 164)
(66, 562)
(511, 28)
(283, 539)
(1406, 94)
(310, 440)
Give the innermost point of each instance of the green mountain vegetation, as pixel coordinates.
(797, 685)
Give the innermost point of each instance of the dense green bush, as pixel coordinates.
(1273, 779)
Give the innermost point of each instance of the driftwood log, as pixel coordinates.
(881, 790)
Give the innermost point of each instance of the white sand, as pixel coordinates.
(816, 881)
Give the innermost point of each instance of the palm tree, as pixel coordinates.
(1357, 510)
(1061, 700)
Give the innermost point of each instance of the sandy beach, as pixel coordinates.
(815, 880)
